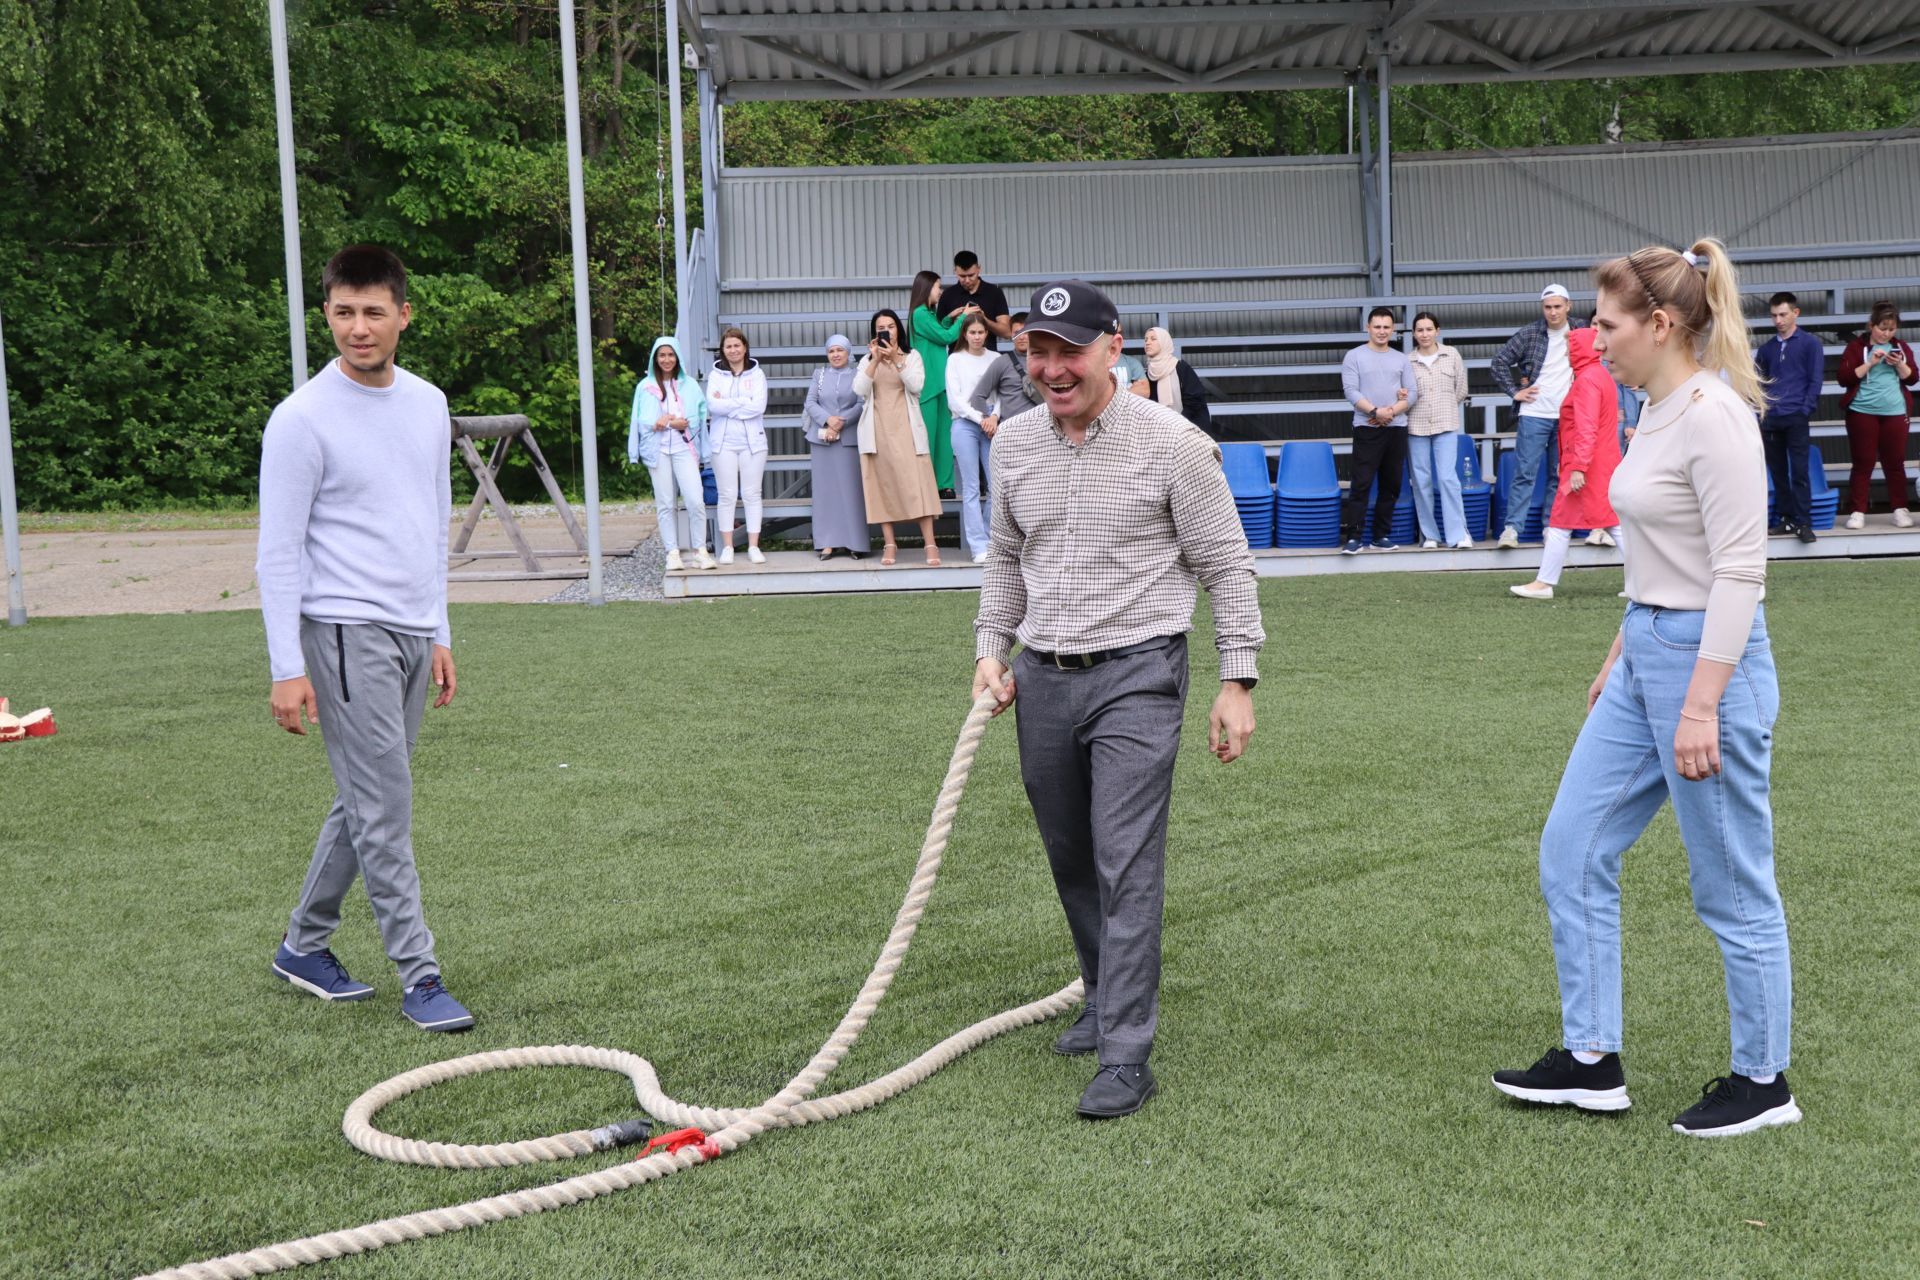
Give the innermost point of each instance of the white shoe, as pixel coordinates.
(1623, 595)
(1509, 538)
(726, 554)
(673, 562)
(1857, 520)
(1902, 518)
(706, 560)
(1599, 538)
(1429, 545)
(754, 554)
(1533, 591)
(1465, 544)
(981, 558)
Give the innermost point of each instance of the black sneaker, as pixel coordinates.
(1805, 533)
(1733, 1105)
(1559, 1079)
(1351, 547)
(1386, 544)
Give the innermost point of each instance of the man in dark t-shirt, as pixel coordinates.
(972, 289)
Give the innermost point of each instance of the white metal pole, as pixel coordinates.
(1386, 179)
(583, 333)
(9, 515)
(679, 145)
(289, 195)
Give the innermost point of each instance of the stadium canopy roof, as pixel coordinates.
(867, 49)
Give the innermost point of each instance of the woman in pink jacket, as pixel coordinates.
(1589, 451)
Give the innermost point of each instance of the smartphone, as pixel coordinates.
(884, 338)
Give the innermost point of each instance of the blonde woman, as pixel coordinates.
(1684, 705)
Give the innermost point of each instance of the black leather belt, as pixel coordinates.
(1081, 661)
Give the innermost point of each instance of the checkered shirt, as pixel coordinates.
(1099, 546)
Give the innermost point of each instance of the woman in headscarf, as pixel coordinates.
(832, 414)
(1172, 381)
(896, 475)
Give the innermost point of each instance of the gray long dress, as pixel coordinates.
(839, 502)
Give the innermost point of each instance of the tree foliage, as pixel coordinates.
(140, 250)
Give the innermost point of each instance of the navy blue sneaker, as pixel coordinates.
(429, 1007)
(1386, 544)
(1351, 547)
(319, 974)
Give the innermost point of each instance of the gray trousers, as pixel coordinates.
(1097, 749)
(372, 687)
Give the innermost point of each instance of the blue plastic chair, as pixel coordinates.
(1826, 498)
(1533, 525)
(1307, 471)
(1246, 469)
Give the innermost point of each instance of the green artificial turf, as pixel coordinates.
(683, 830)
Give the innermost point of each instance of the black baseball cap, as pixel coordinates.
(1073, 310)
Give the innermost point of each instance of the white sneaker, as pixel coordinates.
(1857, 520)
(706, 560)
(1429, 545)
(1599, 538)
(1509, 538)
(754, 554)
(1533, 591)
(673, 562)
(1902, 518)
(1465, 544)
(1623, 595)
(981, 558)
(726, 554)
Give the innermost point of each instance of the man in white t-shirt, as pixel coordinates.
(1534, 370)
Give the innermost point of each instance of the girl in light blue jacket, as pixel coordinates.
(668, 432)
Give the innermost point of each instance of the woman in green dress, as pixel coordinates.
(932, 337)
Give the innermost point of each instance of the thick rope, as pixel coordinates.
(729, 1129)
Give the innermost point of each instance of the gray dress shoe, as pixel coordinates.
(1082, 1037)
(1118, 1090)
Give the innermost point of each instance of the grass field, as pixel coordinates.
(1354, 939)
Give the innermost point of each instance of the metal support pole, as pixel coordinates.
(1369, 203)
(679, 146)
(289, 194)
(583, 333)
(1386, 181)
(9, 514)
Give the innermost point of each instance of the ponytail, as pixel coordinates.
(1725, 348)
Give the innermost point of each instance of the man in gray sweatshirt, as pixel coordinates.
(354, 505)
(1378, 383)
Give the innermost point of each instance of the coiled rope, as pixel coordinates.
(728, 1129)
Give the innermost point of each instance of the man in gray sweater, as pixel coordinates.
(354, 505)
(1378, 383)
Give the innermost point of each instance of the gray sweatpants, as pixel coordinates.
(1097, 749)
(372, 687)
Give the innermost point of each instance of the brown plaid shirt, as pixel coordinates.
(1100, 546)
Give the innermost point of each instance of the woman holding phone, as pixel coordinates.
(931, 338)
(1875, 371)
(895, 473)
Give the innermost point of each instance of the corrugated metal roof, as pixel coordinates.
(967, 48)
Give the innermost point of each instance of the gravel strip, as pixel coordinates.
(631, 577)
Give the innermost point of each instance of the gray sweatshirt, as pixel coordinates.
(1376, 377)
(355, 499)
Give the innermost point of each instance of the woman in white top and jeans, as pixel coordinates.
(1685, 702)
(1433, 434)
(737, 411)
(972, 441)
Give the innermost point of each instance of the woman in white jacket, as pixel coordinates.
(972, 438)
(737, 413)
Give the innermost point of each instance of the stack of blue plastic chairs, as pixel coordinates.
(1308, 496)
(1530, 527)
(1246, 468)
(1826, 498)
(1405, 528)
(1476, 495)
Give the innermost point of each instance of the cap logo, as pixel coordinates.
(1055, 301)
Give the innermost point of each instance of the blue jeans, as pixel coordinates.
(1620, 772)
(1436, 459)
(971, 450)
(1538, 441)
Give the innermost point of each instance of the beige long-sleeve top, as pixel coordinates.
(1443, 389)
(1692, 494)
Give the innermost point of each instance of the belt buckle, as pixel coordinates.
(1080, 661)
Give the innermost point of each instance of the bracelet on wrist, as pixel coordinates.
(1700, 719)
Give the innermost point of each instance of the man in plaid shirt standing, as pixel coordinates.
(1108, 511)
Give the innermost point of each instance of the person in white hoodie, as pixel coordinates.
(972, 437)
(736, 416)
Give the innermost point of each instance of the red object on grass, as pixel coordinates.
(673, 1142)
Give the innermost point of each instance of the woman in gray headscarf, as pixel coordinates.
(832, 413)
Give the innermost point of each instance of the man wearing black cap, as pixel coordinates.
(1108, 510)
